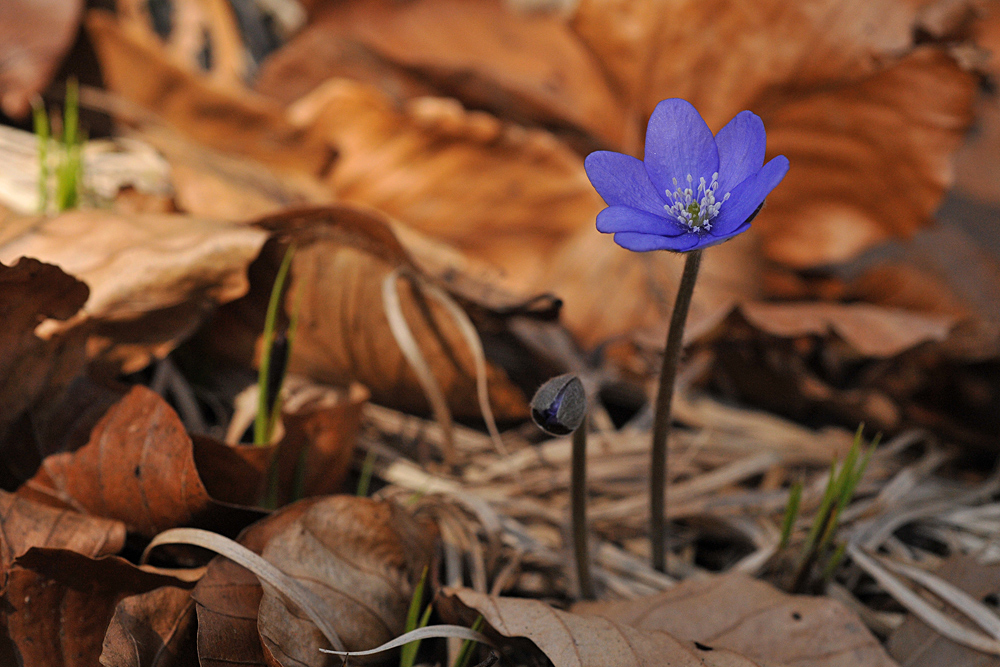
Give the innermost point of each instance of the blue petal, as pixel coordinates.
(741, 149)
(678, 143)
(748, 195)
(626, 219)
(643, 242)
(622, 181)
(712, 239)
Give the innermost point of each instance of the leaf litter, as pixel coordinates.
(413, 146)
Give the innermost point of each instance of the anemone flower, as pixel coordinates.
(692, 190)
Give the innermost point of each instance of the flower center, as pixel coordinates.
(695, 208)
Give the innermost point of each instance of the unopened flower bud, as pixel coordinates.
(559, 405)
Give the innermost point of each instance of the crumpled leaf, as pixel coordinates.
(749, 616)
(34, 373)
(217, 114)
(139, 467)
(58, 603)
(362, 557)
(154, 629)
(572, 640)
(151, 277)
(872, 331)
(498, 191)
(342, 257)
(34, 37)
(25, 524)
(527, 67)
(228, 597)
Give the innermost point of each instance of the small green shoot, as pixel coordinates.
(267, 405)
(840, 488)
(367, 472)
(465, 653)
(414, 621)
(791, 514)
(69, 168)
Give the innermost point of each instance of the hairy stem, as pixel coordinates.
(664, 399)
(578, 500)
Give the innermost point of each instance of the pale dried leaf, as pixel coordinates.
(743, 614)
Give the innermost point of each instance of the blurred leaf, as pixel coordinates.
(748, 616)
(34, 37)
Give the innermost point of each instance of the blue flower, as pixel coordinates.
(692, 190)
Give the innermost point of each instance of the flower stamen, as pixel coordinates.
(695, 209)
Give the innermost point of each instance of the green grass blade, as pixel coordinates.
(367, 471)
(69, 171)
(465, 653)
(791, 514)
(408, 654)
(263, 425)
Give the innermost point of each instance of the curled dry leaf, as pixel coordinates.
(151, 277)
(343, 255)
(228, 597)
(139, 467)
(872, 331)
(34, 37)
(572, 640)
(58, 603)
(154, 629)
(34, 373)
(226, 117)
(751, 617)
(363, 558)
(524, 66)
(498, 191)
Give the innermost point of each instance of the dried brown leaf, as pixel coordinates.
(34, 373)
(751, 617)
(572, 640)
(151, 277)
(226, 117)
(58, 603)
(363, 558)
(25, 524)
(228, 598)
(154, 629)
(873, 331)
(342, 257)
(139, 468)
(34, 37)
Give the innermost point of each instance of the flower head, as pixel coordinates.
(692, 190)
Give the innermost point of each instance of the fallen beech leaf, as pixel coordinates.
(363, 558)
(58, 603)
(220, 115)
(871, 330)
(25, 524)
(154, 629)
(749, 616)
(33, 372)
(500, 192)
(525, 66)
(34, 37)
(228, 597)
(342, 257)
(151, 277)
(139, 467)
(571, 640)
